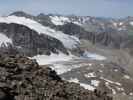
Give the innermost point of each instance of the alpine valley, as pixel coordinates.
(93, 52)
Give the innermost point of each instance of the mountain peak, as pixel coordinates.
(20, 14)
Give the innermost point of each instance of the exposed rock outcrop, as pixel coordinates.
(29, 42)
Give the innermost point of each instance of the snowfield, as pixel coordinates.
(57, 62)
(53, 58)
(68, 41)
(62, 68)
(4, 40)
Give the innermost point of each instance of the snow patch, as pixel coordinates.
(93, 56)
(102, 64)
(121, 23)
(63, 68)
(95, 83)
(120, 89)
(60, 68)
(53, 58)
(109, 81)
(127, 77)
(86, 86)
(4, 39)
(131, 23)
(116, 70)
(131, 93)
(113, 90)
(90, 75)
(59, 20)
(77, 23)
(75, 80)
(115, 24)
(90, 64)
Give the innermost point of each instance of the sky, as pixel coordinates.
(97, 8)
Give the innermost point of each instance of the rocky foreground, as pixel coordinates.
(23, 79)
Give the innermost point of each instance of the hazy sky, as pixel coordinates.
(100, 8)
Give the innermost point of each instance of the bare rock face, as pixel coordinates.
(108, 38)
(23, 79)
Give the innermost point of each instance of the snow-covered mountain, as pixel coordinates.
(102, 31)
(28, 34)
(68, 41)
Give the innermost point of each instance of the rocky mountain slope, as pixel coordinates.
(98, 74)
(23, 79)
(28, 41)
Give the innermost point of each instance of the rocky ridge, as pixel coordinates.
(23, 79)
